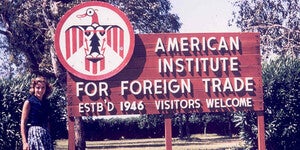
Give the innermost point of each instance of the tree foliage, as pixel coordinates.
(281, 80)
(246, 123)
(25, 31)
(29, 26)
(277, 21)
(149, 16)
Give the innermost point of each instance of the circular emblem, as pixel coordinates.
(94, 40)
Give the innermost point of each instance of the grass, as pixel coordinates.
(197, 141)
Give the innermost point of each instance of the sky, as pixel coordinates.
(204, 15)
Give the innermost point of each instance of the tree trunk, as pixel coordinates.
(205, 127)
(187, 126)
(180, 126)
(229, 124)
(57, 68)
(229, 129)
(60, 73)
(79, 134)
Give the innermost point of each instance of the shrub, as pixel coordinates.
(13, 92)
(282, 104)
(12, 95)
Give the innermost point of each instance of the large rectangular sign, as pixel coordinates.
(177, 73)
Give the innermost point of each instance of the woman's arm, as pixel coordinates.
(24, 117)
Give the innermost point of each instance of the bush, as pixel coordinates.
(13, 92)
(152, 126)
(58, 118)
(12, 95)
(145, 126)
(282, 104)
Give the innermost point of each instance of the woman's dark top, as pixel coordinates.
(38, 114)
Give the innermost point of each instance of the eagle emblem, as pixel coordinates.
(94, 42)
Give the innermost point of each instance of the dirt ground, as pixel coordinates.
(196, 142)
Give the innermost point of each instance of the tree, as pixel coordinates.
(29, 28)
(149, 16)
(182, 121)
(281, 80)
(277, 21)
(279, 26)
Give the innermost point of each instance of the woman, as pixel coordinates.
(34, 119)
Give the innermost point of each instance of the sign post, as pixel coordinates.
(71, 133)
(114, 72)
(168, 132)
(261, 130)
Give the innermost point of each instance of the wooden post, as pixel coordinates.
(71, 118)
(71, 133)
(261, 130)
(168, 132)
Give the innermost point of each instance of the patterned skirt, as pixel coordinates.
(39, 138)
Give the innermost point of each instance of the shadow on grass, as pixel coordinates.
(194, 142)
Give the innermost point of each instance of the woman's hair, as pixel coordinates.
(37, 80)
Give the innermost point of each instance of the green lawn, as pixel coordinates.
(197, 141)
